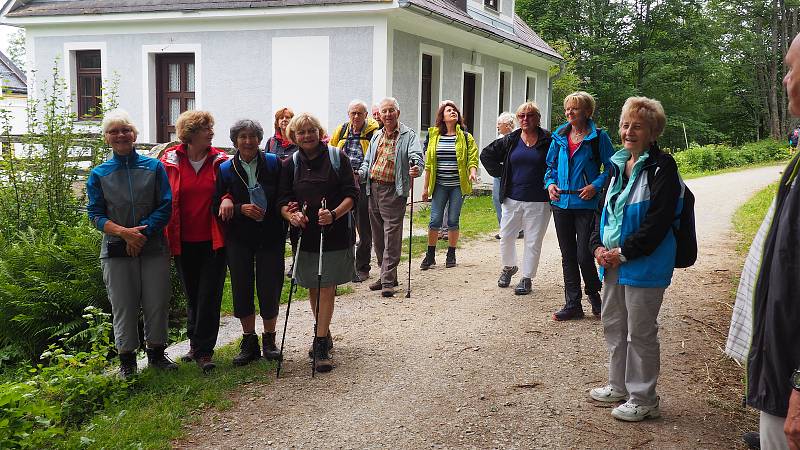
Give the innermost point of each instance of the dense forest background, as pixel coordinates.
(716, 65)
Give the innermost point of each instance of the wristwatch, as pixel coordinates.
(622, 257)
(796, 380)
(333, 215)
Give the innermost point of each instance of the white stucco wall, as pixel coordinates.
(406, 83)
(235, 69)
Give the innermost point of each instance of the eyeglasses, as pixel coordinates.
(530, 115)
(116, 131)
(358, 113)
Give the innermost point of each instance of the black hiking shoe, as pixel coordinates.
(324, 362)
(330, 345)
(156, 358)
(248, 350)
(189, 356)
(597, 304)
(451, 257)
(127, 365)
(752, 439)
(505, 276)
(523, 287)
(270, 350)
(568, 314)
(430, 258)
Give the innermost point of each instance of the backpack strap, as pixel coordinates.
(272, 162)
(596, 147)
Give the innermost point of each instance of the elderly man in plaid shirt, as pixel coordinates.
(353, 137)
(394, 158)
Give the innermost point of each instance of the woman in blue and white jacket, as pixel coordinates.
(130, 201)
(573, 180)
(634, 243)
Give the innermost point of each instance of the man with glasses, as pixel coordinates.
(353, 138)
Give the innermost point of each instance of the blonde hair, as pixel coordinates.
(583, 99)
(301, 120)
(190, 122)
(529, 106)
(647, 109)
(117, 117)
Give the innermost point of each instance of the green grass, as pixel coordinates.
(477, 218)
(160, 403)
(749, 216)
(690, 175)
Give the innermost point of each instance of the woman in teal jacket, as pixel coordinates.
(451, 166)
(573, 179)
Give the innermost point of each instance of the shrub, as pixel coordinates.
(47, 278)
(62, 394)
(698, 159)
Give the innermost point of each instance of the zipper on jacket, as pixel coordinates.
(130, 190)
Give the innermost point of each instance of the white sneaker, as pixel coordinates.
(631, 412)
(607, 394)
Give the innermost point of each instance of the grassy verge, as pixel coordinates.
(477, 218)
(749, 216)
(690, 175)
(160, 403)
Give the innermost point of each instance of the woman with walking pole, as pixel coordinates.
(314, 173)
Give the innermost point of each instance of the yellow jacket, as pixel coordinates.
(466, 155)
(339, 136)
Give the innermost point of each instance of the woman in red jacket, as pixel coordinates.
(194, 235)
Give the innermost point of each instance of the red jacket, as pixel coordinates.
(171, 159)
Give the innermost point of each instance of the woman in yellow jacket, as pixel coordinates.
(451, 166)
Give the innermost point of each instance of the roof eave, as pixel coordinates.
(555, 58)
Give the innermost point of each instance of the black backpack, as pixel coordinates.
(685, 232)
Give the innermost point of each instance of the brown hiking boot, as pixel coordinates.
(205, 363)
(323, 360)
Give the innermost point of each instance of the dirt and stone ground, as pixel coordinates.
(465, 364)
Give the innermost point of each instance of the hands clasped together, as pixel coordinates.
(608, 258)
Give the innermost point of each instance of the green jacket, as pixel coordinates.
(466, 155)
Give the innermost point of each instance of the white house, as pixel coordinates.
(242, 58)
(14, 96)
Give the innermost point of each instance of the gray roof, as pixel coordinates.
(13, 79)
(80, 7)
(523, 37)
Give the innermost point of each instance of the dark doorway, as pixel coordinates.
(469, 101)
(175, 88)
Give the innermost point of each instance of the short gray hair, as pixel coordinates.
(246, 124)
(506, 118)
(117, 117)
(390, 100)
(358, 102)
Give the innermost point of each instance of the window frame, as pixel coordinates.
(493, 5)
(95, 77)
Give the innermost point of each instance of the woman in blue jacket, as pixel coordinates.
(130, 201)
(573, 180)
(634, 243)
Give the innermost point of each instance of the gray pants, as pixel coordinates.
(631, 330)
(386, 212)
(134, 283)
(770, 430)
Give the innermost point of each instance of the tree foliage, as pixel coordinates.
(716, 65)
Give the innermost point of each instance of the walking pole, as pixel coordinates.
(292, 289)
(319, 288)
(410, 236)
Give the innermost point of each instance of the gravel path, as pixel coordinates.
(465, 364)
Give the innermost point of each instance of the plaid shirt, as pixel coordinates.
(382, 170)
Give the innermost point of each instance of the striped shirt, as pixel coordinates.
(382, 170)
(446, 162)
